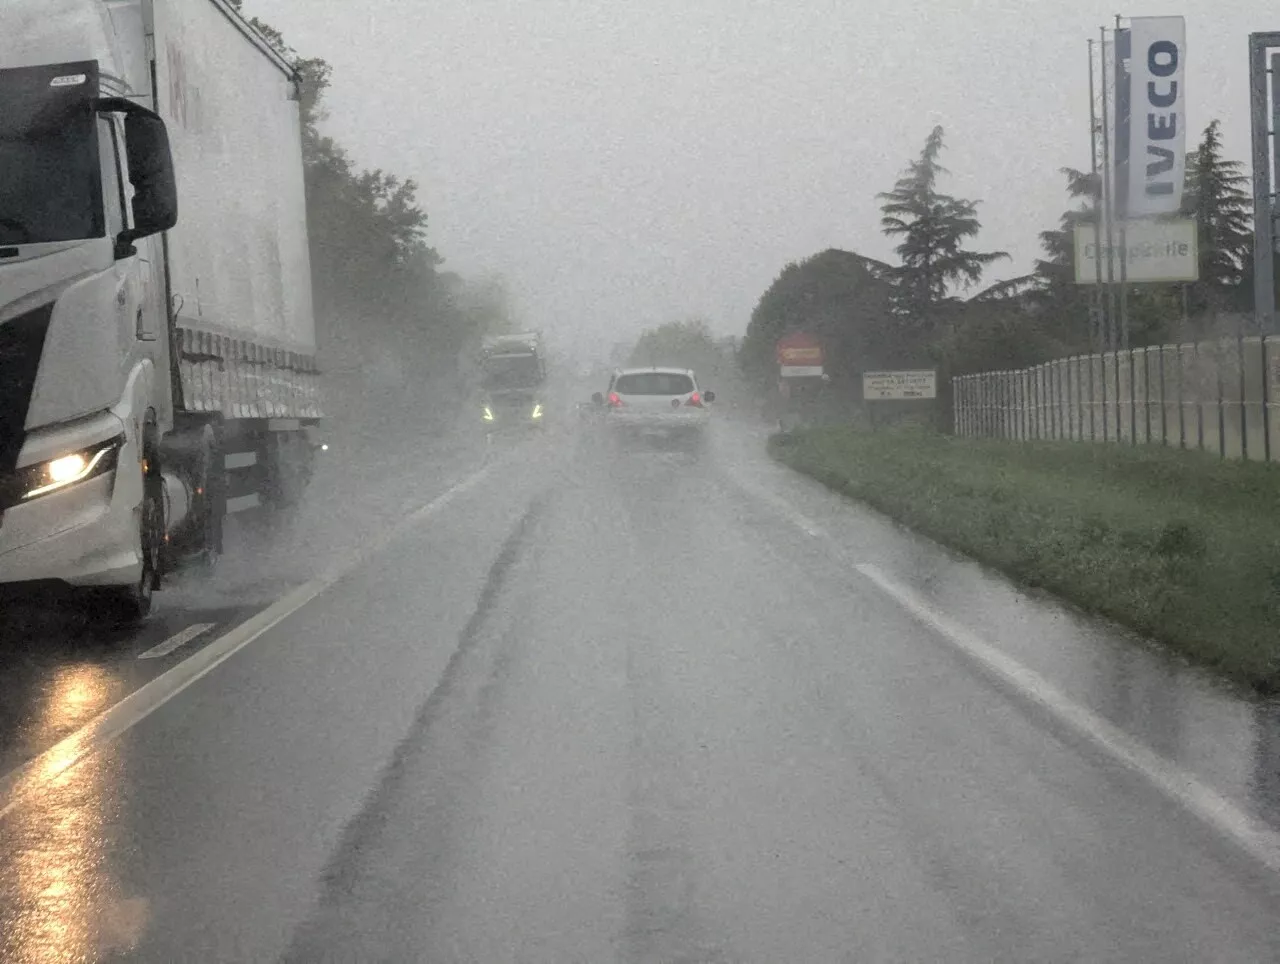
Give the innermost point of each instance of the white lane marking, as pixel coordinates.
(1175, 782)
(177, 640)
(40, 771)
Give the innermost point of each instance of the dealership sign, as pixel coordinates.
(1151, 118)
(1152, 251)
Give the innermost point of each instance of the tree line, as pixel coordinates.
(375, 276)
(929, 309)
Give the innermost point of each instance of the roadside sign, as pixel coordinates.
(900, 385)
(801, 371)
(799, 355)
(1154, 251)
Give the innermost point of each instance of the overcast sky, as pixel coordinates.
(622, 164)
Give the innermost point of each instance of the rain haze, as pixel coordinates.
(627, 164)
(685, 570)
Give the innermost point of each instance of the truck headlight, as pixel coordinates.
(537, 412)
(66, 470)
(488, 414)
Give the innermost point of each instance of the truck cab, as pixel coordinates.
(157, 368)
(88, 185)
(513, 374)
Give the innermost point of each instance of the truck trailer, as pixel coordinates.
(157, 338)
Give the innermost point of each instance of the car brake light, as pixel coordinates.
(695, 399)
(614, 400)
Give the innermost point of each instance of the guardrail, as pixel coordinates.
(1219, 396)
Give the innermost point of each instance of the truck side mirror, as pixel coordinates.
(155, 201)
(709, 396)
(597, 398)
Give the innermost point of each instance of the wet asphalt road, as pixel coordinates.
(643, 708)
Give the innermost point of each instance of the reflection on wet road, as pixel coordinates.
(640, 707)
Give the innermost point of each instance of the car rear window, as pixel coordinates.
(653, 383)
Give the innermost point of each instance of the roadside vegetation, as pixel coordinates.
(930, 307)
(1179, 546)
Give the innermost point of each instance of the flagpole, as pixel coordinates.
(1096, 333)
(1106, 195)
(1096, 193)
(1122, 217)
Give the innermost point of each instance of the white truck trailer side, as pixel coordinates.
(157, 341)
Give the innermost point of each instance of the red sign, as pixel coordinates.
(799, 349)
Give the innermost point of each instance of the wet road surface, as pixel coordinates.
(642, 708)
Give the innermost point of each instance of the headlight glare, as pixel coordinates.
(66, 470)
(488, 414)
(537, 411)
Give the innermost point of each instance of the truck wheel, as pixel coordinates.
(126, 605)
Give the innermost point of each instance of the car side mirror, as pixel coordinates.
(597, 398)
(709, 396)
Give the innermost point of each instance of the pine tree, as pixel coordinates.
(1219, 200)
(933, 229)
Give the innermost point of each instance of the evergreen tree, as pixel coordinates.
(1219, 199)
(933, 229)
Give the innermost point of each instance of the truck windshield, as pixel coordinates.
(49, 175)
(505, 374)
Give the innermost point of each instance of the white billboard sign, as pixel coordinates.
(1153, 250)
(801, 371)
(1156, 131)
(894, 385)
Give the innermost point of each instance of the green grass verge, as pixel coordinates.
(1180, 546)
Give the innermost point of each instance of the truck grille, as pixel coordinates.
(21, 345)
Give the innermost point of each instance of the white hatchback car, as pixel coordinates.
(663, 403)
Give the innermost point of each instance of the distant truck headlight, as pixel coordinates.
(537, 411)
(46, 477)
(488, 414)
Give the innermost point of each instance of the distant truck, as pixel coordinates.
(157, 341)
(513, 375)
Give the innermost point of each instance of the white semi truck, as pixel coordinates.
(157, 341)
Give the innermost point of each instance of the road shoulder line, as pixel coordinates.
(1173, 781)
(43, 769)
(177, 641)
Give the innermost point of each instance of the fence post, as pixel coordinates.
(1004, 405)
(1106, 416)
(1055, 387)
(1182, 401)
(1133, 399)
(1195, 361)
(1080, 396)
(1222, 412)
(1164, 405)
(1244, 407)
(1093, 403)
(1146, 393)
(986, 405)
(1034, 387)
(1025, 378)
(1050, 403)
(1119, 413)
(1266, 401)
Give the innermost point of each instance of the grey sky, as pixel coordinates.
(628, 163)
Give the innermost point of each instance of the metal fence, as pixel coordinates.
(1220, 396)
